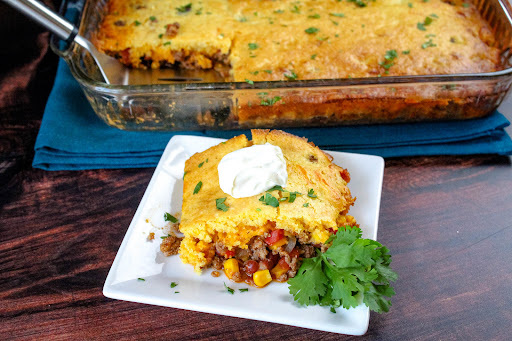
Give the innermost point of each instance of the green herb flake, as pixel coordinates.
(176, 292)
(137, 23)
(221, 205)
(421, 26)
(339, 15)
(254, 73)
(270, 200)
(311, 30)
(313, 56)
(290, 75)
(243, 290)
(409, 4)
(173, 284)
(433, 15)
(306, 204)
(185, 8)
(351, 269)
(295, 9)
(242, 19)
(170, 217)
(311, 193)
(258, 209)
(152, 18)
(271, 101)
(198, 187)
(184, 175)
(406, 52)
(230, 290)
(163, 237)
(249, 81)
(167, 43)
(253, 46)
(333, 310)
(199, 11)
(278, 11)
(160, 36)
(268, 71)
(141, 279)
(314, 16)
(465, 5)
(427, 44)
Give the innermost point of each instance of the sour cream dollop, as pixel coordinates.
(252, 170)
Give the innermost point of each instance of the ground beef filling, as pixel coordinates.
(170, 245)
(260, 256)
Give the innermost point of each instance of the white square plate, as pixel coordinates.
(139, 258)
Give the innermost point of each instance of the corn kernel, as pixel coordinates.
(262, 278)
(279, 243)
(278, 270)
(231, 267)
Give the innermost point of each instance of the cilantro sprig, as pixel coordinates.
(350, 271)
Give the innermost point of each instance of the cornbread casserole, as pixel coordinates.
(252, 233)
(287, 40)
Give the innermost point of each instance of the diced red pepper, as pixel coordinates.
(229, 253)
(275, 236)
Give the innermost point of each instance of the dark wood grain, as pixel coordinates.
(447, 221)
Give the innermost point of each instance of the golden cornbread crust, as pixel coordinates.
(282, 40)
(310, 218)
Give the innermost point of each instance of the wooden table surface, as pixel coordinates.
(447, 221)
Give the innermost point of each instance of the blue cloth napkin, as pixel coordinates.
(72, 137)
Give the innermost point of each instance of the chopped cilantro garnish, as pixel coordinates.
(278, 11)
(428, 43)
(173, 284)
(176, 292)
(421, 26)
(313, 56)
(290, 75)
(333, 310)
(170, 217)
(249, 81)
(339, 15)
(295, 9)
(184, 175)
(198, 187)
(199, 11)
(230, 290)
(269, 199)
(409, 4)
(254, 73)
(350, 270)
(311, 193)
(163, 237)
(306, 204)
(160, 36)
(406, 52)
(433, 15)
(243, 290)
(258, 209)
(242, 19)
(311, 30)
(141, 279)
(268, 71)
(167, 43)
(253, 46)
(184, 8)
(388, 59)
(221, 205)
(314, 16)
(360, 3)
(270, 101)
(137, 23)
(465, 5)
(152, 18)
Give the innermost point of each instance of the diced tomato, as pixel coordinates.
(275, 236)
(229, 253)
(282, 263)
(295, 253)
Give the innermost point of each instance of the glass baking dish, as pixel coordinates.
(149, 101)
